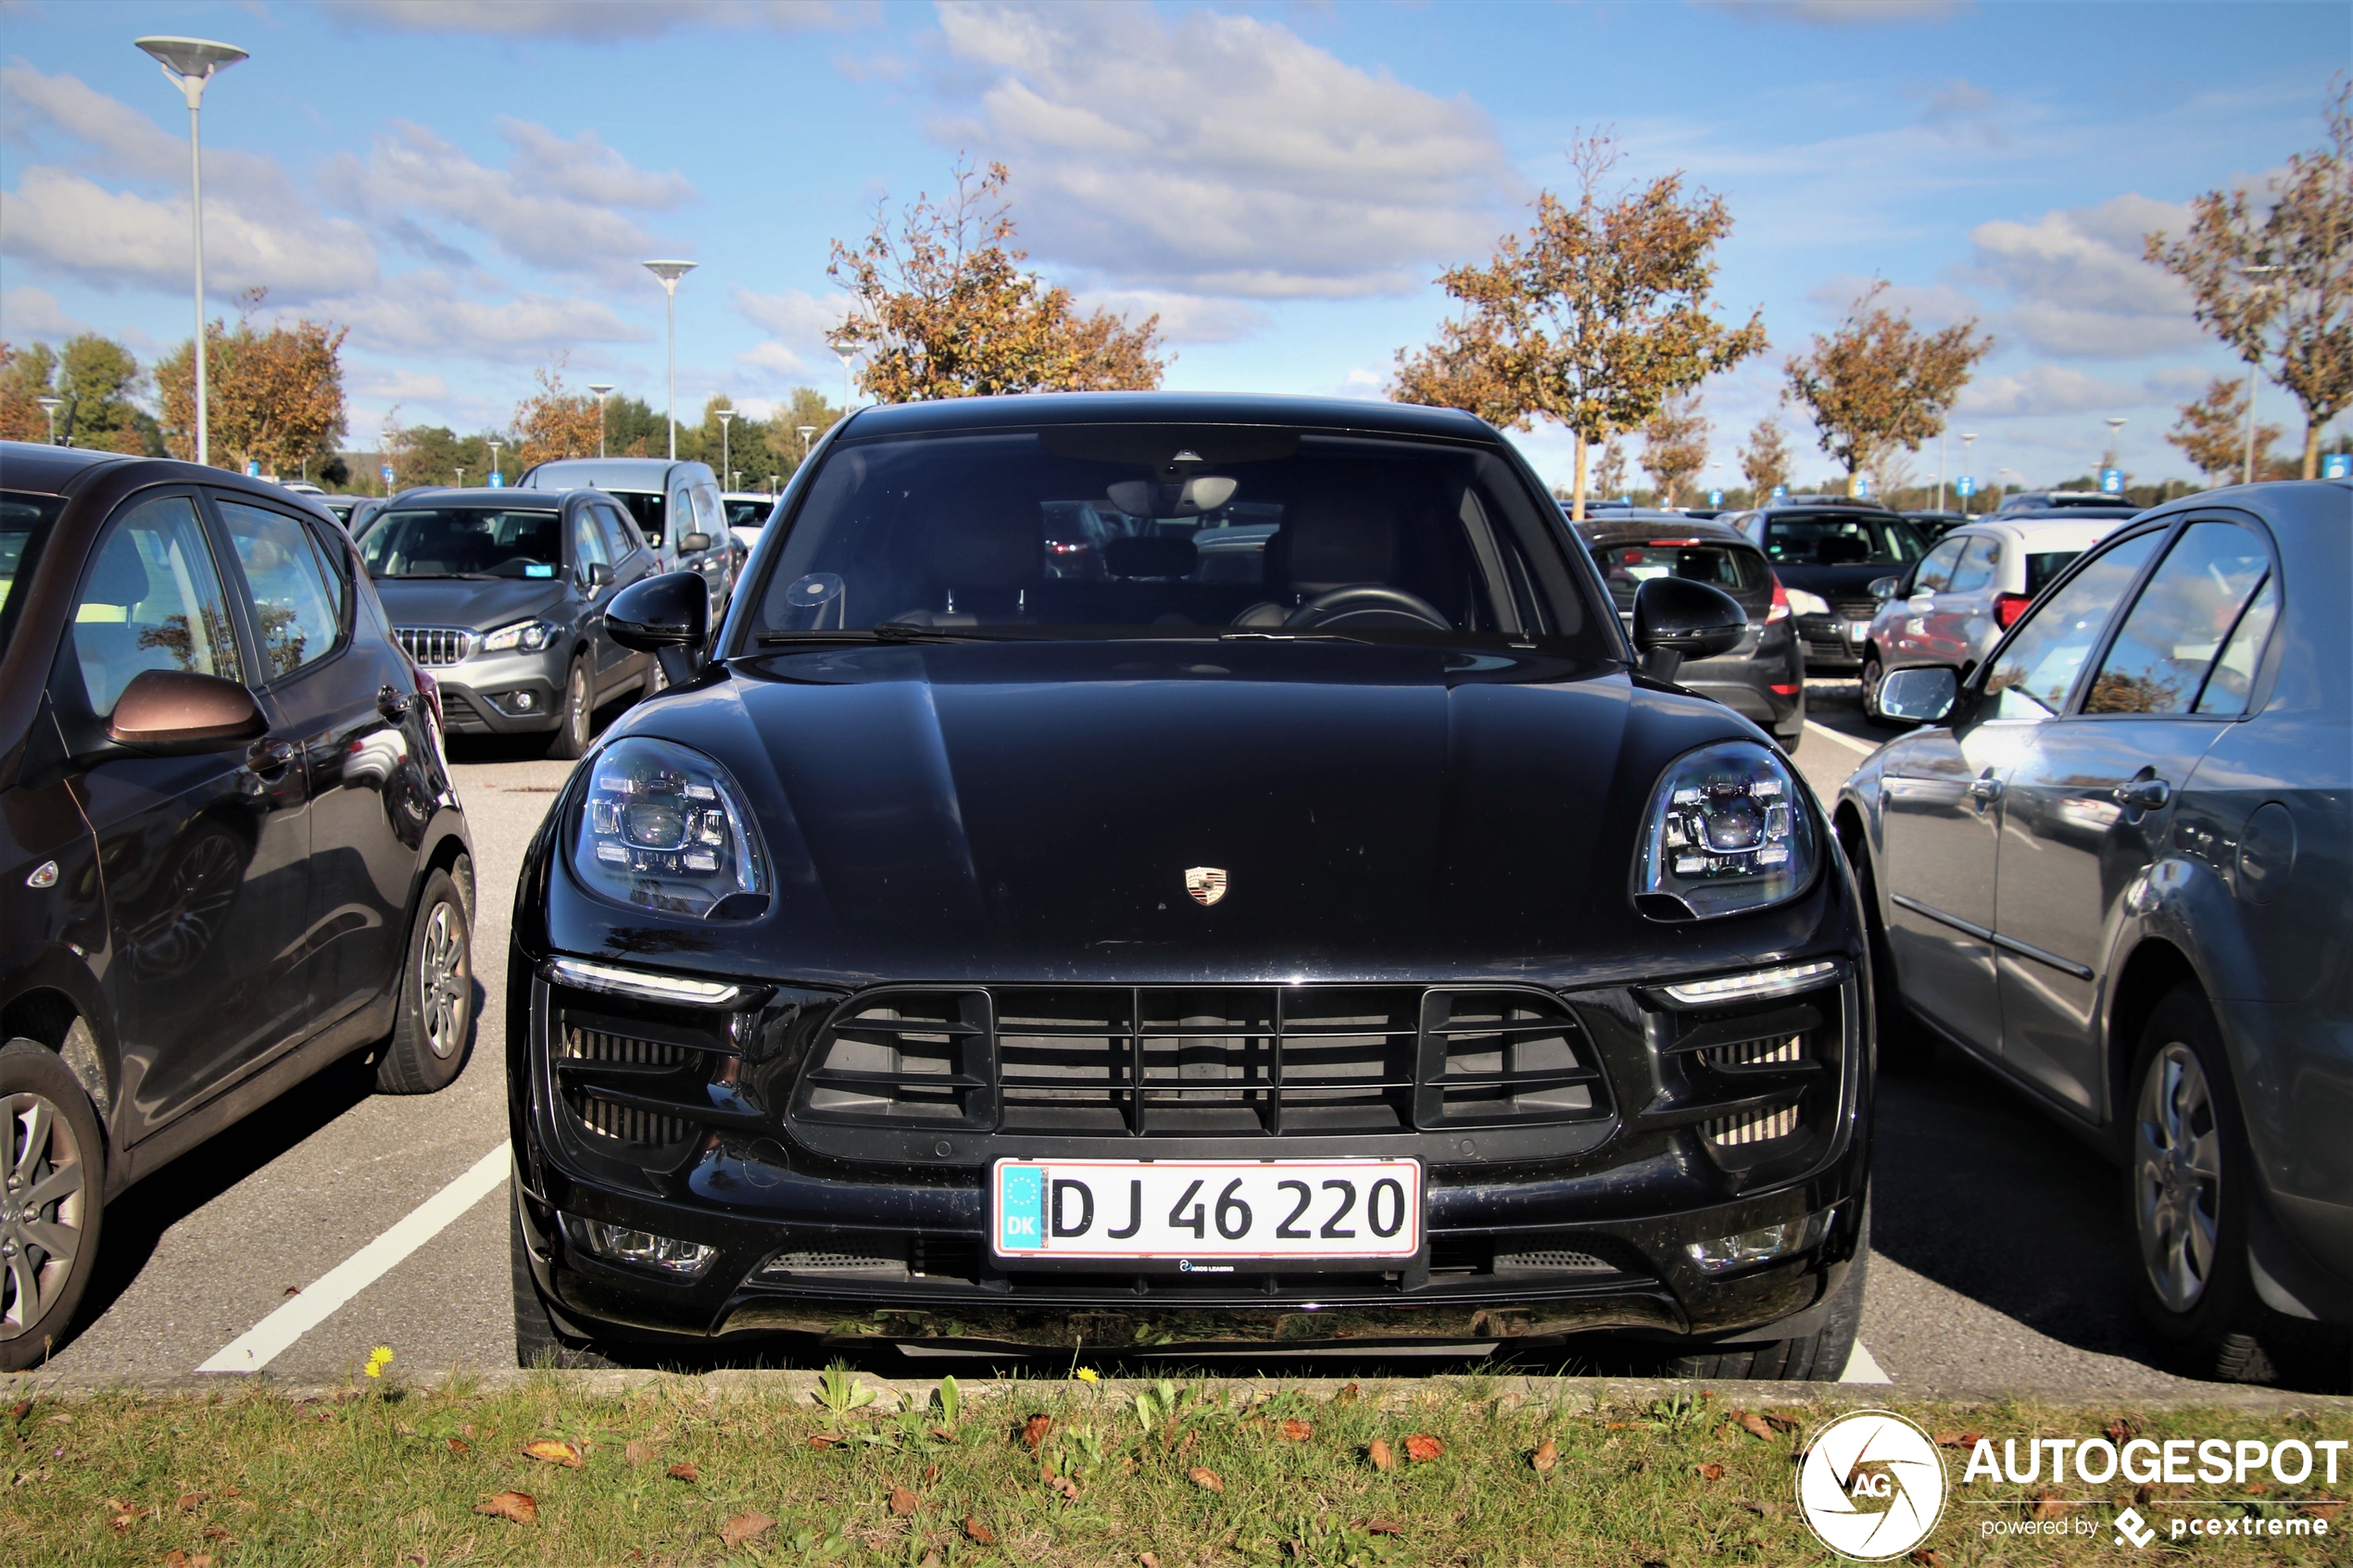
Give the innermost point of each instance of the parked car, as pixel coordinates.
(229, 850)
(2115, 867)
(2056, 500)
(1954, 605)
(677, 504)
(1763, 676)
(1466, 985)
(502, 594)
(1833, 549)
(1934, 525)
(341, 508)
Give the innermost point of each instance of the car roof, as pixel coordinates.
(1164, 408)
(49, 471)
(605, 473)
(1818, 502)
(2029, 514)
(503, 497)
(2078, 532)
(1621, 530)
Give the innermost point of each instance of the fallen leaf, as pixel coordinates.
(2119, 1430)
(1205, 1478)
(1767, 1509)
(232, 1491)
(520, 1507)
(1382, 1458)
(943, 1433)
(2256, 1488)
(931, 1474)
(175, 1558)
(1547, 1455)
(1622, 1425)
(902, 1501)
(2325, 1507)
(191, 1501)
(1297, 1431)
(1148, 1560)
(123, 1514)
(1711, 1472)
(294, 1290)
(2048, 1504)
(1384, 1527)
(214, 1533)
(824, 1439)
(1757, 1424)
(931, 1560)
(636, 1453)
(1034, 1430)
(683, 1472)
(981, 1534)
(1957, 1439)
(1926, 1558)
(553, 1450)
(1421, 1448)
(1346, 1396)
(1065, 1485)
(1188, 1443)
(744, 1527)
(21, 1409)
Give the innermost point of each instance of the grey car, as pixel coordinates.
(501, 593)
(677, 504)
(2115, 867)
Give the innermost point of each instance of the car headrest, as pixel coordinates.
(1332, 541)
(1150, 557)
(990, 542)
(120, 577)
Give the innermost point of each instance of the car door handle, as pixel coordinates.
(269, 756)
(2146, 795)
(391, 704)
(1986, 788)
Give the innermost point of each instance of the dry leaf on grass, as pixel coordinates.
(175, 1558)
(1382, 1459)
(981, 1534)
(552, 1451)
(1065, 1485)
(931, 1474)
(191, 1501)
(634, 1453)
(2256, 1488)
(2048, 1504)
(2325, 1507)
(1384, 1527)
(902, 1501)
(1205, 1478)
(2119, 1431)
(1421, 1448)
(1295, 1430)
(1034, 1430)
(1711, 1472)
(214, 1533)
(1757, 1424)
(520, 1507)
(1148, 1560)
(1347, 1394)
(457, 1445)
(1926, 1558)
(1764, 1510)
(1547, 1454)
(744, 1527)
(683, 1471)
(121, 1514)
(1957, 1439)
(824, 1439)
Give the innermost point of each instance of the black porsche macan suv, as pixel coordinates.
(1326, 936)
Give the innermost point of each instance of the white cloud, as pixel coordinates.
(598, 21)
(1840, 13)
(28, 314)
(2045, 390)
(71, 223)
(2080, 285)
(775, 360)
(428, 313)
(799, 319)
(1220, 154)
(1932, 307)
(1184, 318)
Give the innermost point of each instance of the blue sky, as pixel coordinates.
(471, 185)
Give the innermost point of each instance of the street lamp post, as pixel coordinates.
(670, 272)
(2115, 425)
(496, 473)
(191, 62)
(1968, 439)
(726, 452)
(600, 388)
(50, 406)
(461, 476)
(806, 432)
(848, 394)
(2261, 280)
(772, 484)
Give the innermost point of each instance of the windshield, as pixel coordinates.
(1171, 531)
(749, 514)
(462, 542)
(1626, 567)
(24, 522)
(2044, 567)
(1840, 539)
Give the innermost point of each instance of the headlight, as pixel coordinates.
(1803, 603)
(528, 635)
(664, 828)
(1726, 833)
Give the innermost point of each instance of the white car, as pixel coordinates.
(747, 514)
(1954, 605)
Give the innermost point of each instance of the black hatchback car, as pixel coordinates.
(1832, 551)
(1356, 950)
(1763, 676)
(229, 850)
(502, 595)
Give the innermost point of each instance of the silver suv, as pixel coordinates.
(676, 504)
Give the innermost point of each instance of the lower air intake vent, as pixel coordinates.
(1752, 1128)
(834, 1263)
(1754, 1053)
(1552, 1260)
(625, 1123)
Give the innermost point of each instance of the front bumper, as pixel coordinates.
(875, 1236)
(504, 693)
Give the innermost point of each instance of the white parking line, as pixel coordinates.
(261, 1344)
(1862, 746)
(1862, 1368)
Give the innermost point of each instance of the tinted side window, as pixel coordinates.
(152, 601)
(2034, 669)
(2234, 674)
(587, 542)
(2159, 661)
(620, 538)
(1937, 569)
(295, 608)
(1975, 572)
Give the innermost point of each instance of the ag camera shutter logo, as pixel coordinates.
(1872, 1486)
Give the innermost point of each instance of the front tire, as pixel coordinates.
(53, 1183)
(433, 1030)
(1818, 1357)
(1874, 673)
(575, 724)
(538, 1342)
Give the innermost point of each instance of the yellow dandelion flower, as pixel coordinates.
(378, 1359)
(1088, 1375)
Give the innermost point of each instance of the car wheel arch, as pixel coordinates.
(54, 1019)
(2155, 968)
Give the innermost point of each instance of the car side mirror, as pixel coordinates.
(1885, 587)
(1920, 694)
(176, 713)
(1675, 619)
(694, 542)
(600, 574)
(667, 615)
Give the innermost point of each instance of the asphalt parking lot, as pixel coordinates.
(296, 1241)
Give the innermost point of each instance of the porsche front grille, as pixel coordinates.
(1228, 1060)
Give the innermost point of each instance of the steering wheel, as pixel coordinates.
(1368, 603)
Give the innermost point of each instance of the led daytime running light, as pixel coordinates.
(1756, 982)
(641, 983)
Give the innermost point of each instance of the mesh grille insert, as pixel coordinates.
(625, 1123)
(833, 1263)
(1752, 1127)
(1557, 1260)
(1755, 1053)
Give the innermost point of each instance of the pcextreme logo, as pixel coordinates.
(1872, 1487)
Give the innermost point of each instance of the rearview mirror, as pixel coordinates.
(1885, 587)
(694, 542)
(1675, 619)
(1923, 694)
(667, 615)
(175, 713)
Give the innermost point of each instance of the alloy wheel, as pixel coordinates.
(446, 988)
(2177, 1176)
(42, 1211)
(1873, 675)
(576, 705)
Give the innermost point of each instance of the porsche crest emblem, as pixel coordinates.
(1206, 883)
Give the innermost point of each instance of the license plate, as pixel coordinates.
(1857, 630)
(1203, 1214)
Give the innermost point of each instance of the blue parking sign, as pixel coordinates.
(2337, 465)
(1965, 486)
(1715, 497)
(2111, 482)
(1781, 492)
(387, 472)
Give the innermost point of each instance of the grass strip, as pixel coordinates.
(678, 1471)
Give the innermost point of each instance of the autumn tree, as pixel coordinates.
(786, 446)
(274, 398)
(1764, 461)
(1592, 318)
(1609, 474)
(1879, 382)
(555, 422)
(2273, 279)
(24, 381)
(942, 309)
(100, 381)
(1675, 444)
(2211, 431)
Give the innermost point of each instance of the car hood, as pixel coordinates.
(481, 605)
(971, 811)
(1837, 583)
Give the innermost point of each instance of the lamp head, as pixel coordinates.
(50, 404)
(670, 272)
(191, 62)
(726, 416)
(601, 387)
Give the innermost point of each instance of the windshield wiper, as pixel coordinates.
(888, 631)
(436, 576)
(1293, 637)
